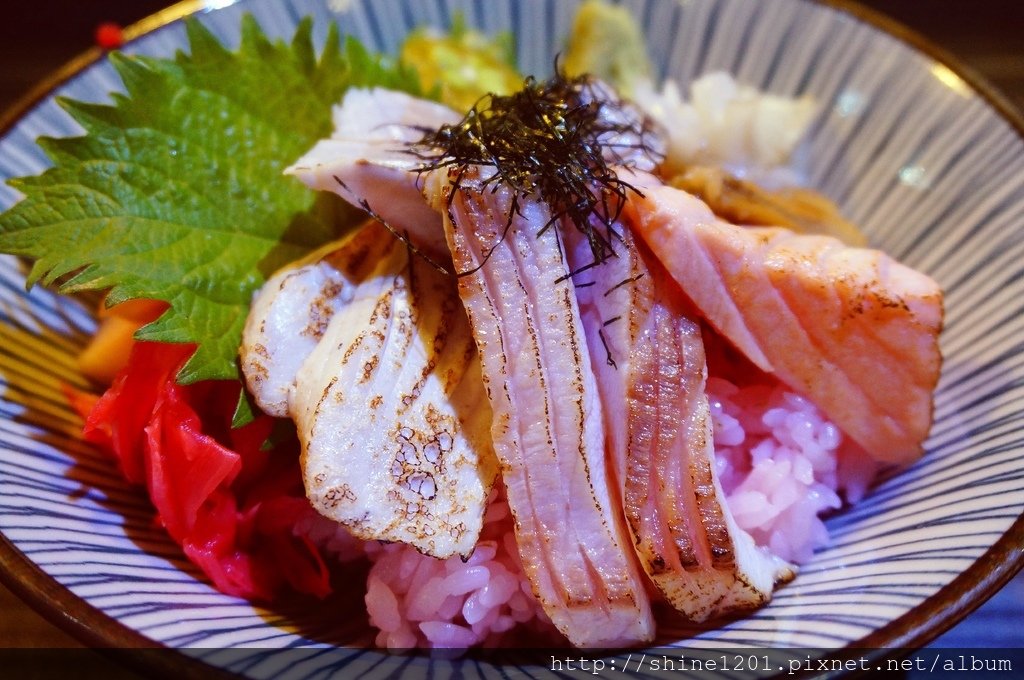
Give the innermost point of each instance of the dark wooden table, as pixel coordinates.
(987, 35)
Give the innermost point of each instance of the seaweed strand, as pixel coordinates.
(557, 140)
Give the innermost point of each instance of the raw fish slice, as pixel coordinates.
(379, 125)
(291, 311)
(391, 413)
(850, 328)
(548, 430)
(649, 356)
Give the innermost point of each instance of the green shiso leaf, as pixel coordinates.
(175, 192)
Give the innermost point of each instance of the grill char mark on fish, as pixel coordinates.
(390, 412)
(292, 310)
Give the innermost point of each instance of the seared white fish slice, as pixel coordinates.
(548, 431)
(648, 355)
(291, 311)
(367, 161)
(392, 416)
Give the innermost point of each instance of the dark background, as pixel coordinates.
(985, 35)
(36, 37)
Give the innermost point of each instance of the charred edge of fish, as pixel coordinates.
(403, 237)
(549, 139)
(658, 565)
(319, 403)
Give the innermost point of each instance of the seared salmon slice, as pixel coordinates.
(850, 328)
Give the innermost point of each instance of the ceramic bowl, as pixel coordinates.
(926, 159)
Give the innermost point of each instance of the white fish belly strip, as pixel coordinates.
(547, 419)
(386, 450)
(290, 313)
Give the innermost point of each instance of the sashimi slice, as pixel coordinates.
(548, 431)
(367, 161)
(290, 313)
(391, 413)
(648, 355)
(850, 328)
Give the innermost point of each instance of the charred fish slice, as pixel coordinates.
(367, 161)
(648, 355)
(687, 539)
(290, 313)
(391, 413)
(547, 431)
(292, 310)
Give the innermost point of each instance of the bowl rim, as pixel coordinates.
(915, 628)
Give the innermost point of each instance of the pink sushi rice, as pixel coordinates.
(782, 466)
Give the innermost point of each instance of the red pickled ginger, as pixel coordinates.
(229, 503)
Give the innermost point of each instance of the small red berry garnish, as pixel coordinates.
(109, 36)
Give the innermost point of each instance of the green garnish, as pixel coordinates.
(175, 192)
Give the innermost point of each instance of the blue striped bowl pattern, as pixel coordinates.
(914, 154)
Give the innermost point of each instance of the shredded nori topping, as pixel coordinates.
(555, 141)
